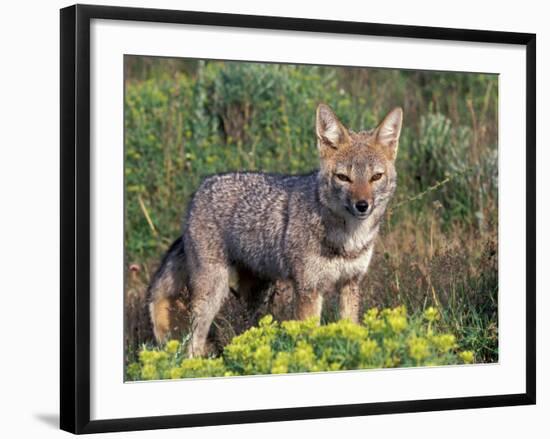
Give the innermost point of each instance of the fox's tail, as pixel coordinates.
(166, 284)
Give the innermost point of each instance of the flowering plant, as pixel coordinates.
(386, 338)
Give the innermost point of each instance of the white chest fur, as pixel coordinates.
(355, 244)
(326, 272)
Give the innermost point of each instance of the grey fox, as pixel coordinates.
(316, 231)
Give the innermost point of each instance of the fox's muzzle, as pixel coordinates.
(362, 206)
(360, 209)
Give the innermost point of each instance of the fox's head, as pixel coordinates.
(357, 172)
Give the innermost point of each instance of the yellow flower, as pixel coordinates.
(397, 311)
(176, 373)
(292, 328)
(279, 369)
(159, 356)
(280, 364)
(147, 356)
(238, 351)
(172, 346)
(431, 314)
(388, 338)
(372, 320)
(397, 322)
(266, 321)
(152, 357)
(391, 344)
(347, 329)
(401, 310)
(202, 367)
(443, 342)
(262, 358)
(370, 314)
(303, 356)
(418, 348)
(467, 356)
(368, 349)
(149, 372)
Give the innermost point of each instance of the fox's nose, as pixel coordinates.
(362, 206)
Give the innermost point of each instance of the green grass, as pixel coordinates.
(185, 119)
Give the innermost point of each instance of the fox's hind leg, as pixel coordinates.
(209, 287)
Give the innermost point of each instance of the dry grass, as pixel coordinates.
(411, 266)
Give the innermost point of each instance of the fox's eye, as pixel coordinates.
(376, 177)
(343, 177)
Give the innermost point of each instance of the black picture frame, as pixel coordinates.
(75, 217)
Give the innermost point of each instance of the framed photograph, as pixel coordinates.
(272, 218)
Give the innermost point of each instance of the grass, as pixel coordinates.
(185, 119)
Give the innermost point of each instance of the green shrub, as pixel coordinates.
(442, 152)
(387, 338)
(189, 119)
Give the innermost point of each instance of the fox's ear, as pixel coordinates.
(387, 133)
(330, 131)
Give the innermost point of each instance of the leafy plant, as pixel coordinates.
(386, 338)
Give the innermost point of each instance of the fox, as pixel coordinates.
(317, 231)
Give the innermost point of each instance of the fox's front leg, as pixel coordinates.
(309, 303)
(350, 301)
